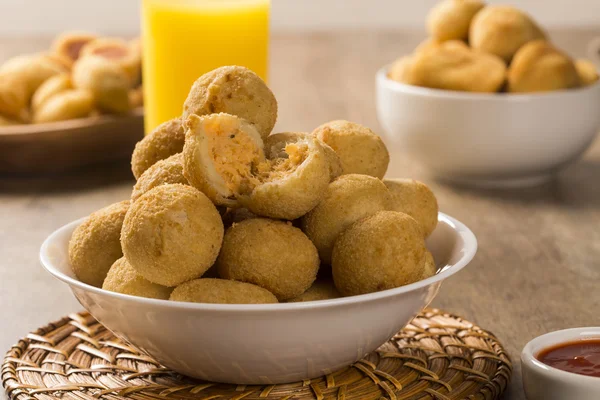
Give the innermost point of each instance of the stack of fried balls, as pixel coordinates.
(224, 211)
(475, 47)
(80, 76)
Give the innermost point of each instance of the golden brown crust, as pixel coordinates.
(587, 71)
(69, 104)
(380, 252)
(429, 269)
(164, 141)
(271, 254)
(118, 51)
(450, 19)
(95, 245)
(172, 234)
(347, 199)
(538, 66)
(320, 290)
(69, 44)
(122, 278)
(361, 151)
(415, 199)
(51, 87)
(233, 90)
(164, 172)
(222, 291)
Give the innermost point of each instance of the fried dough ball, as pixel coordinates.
(233, 90)
(430, 269)
(107, 81)
(69, 44)
(164, 141)
(415, 199)
(13, 96)
(348, 199)
(502, 30)
(136, 97)
(540, 67)
(271, 254)
(320, 290)
(4, 121)
(427, 44)
(401, 70)
(380, 252)
(587, 71)
(452, 65)
(276, 142)
(224, 157)
(122, 278)
(172, 234)
(450, 19)
(70, 104)
(51, 87)
(361, 151)
(118, 51)
(95, 246)
(164, 172)
(221, 291)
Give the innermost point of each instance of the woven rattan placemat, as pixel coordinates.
(438, 356)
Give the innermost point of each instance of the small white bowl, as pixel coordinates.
(543, 382)
(264, 343)
(488, 139)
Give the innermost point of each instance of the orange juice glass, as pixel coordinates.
(183, 39)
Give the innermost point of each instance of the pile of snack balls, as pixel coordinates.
(80, 76)
(476, 47)
(224, 211)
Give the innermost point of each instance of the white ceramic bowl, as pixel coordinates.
(542, 382)
(488, 139)
(263, 344)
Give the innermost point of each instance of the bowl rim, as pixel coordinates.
(469, 250)
(529, 359)
(398, 87)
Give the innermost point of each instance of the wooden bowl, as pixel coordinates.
(60, 146)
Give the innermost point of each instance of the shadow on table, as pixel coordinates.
(94, 176)
(578, 186)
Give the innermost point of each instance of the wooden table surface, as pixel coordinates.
(538, 265)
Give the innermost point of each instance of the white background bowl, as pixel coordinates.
(270, 343)
(542, 382)
(488, 139)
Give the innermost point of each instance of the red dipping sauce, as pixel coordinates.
(580, 357)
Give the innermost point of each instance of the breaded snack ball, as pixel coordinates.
(4, 121)
(69, 44)
(122, 278)
(233, 90)
(427, 44)
(95, 245)
(221, 291)
(401, 70)
(361, 151)
(50, 88)
(275, 144)
(164, 172)
(452, 65)
(587, 71)
(271, 254)
(415, 199)
(502, 30)
(429, 268)
(118, 51)
(164, 141)
(540, 67)
(320, 290)
(347, 199)
(172, 234)
(380, 252)
(70, 104)
(450, 19)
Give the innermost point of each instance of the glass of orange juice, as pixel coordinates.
(183, 39)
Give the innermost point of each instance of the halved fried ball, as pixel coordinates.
(502, 30)
(233, 90)
(224, 157)
(122, 278)
(587, 71)
(348, 199)
(380, 252)
(415, 199)
(221, 291)
(361, 151)
(164, 172)
(429, 268)
(172, 234)
(320, 290)
(538, 66)
(95, 245)
(271, 254)
(450, 19)
(164, 141)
